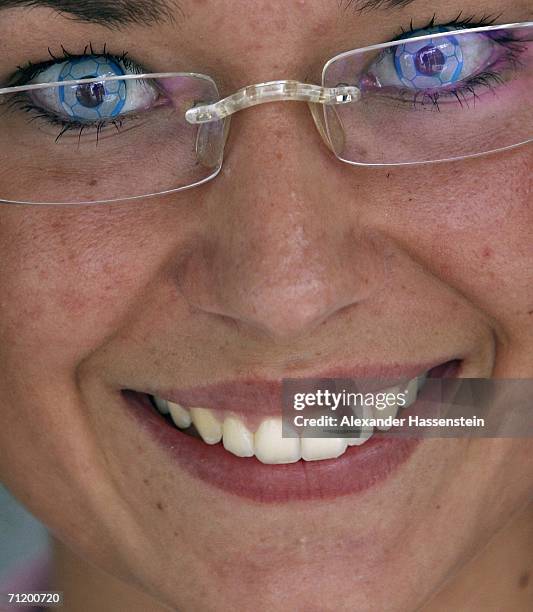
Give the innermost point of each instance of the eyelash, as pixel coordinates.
(458, 22)
(488, 77)
(29, 71)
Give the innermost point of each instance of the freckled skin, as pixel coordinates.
(287, 257)
(523, 581)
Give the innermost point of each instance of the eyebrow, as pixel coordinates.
(116, 13)
(111, 13)
(373, 5)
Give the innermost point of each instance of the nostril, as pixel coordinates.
(242, 282)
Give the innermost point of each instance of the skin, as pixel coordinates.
(264, 273)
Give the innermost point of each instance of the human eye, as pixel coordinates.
(85, 125)
(89, 106)
(478, 77)
(456, 68)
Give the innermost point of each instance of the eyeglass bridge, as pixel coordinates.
(272, 91)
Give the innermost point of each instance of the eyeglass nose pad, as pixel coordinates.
(332, 130)
(210, 141)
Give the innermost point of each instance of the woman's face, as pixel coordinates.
(288, 264)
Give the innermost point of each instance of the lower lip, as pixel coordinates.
(358, 469)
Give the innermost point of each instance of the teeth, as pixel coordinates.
(180, 416)
(314, 449)
(270, 447)
(411, 392)
(162, 405)
(267, 444)
(362, 412)
(387, 411)
(207, 425)
(237, 439)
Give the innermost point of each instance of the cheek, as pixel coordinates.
(66, 280)
(61, 290)
(471, 224)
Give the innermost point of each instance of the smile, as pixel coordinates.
(266, 443)
(242, 450)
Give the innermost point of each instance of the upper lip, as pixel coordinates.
(262, 396)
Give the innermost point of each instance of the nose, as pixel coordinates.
(284, 248)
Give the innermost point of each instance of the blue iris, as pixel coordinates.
(92, 101)
(430, 63)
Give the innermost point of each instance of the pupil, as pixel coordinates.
(90, 95)
(430, 60)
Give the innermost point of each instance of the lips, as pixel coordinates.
(264, 438)
(264, 395)
(359, 468)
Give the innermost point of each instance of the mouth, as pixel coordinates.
(216, 436)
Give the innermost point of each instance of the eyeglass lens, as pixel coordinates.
(443, 98)
(421, 101)
(106, 140)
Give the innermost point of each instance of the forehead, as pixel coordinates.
(268, 37)
(282, 14)
(235, 41)
(208, 20)
(238, 42)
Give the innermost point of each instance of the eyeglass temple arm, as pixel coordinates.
(273, 91)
